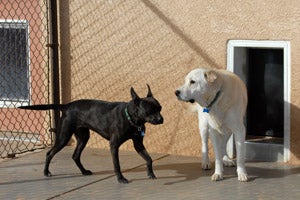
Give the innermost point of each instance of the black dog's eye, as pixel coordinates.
(192, 82)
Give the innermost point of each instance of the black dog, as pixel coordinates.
(115, 121)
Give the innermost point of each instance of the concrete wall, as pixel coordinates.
(107, 46)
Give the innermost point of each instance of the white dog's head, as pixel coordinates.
(201, 86)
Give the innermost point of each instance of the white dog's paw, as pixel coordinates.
(227, 162)
(243, 177)
(206, 165)
(216, 177)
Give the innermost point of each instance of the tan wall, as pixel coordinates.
(108, 46)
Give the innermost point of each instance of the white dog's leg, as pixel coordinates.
(228, 162)
(241, 153)
(216, 139)
(203, 128)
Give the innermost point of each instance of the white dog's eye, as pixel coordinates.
(192, 82)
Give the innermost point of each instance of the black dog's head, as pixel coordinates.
(145, 109)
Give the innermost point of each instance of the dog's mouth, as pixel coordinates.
(156, 122)
(190, 100)
(178, 94)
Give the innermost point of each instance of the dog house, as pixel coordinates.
(264, 66)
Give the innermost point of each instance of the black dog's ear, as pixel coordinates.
(149, 92)
(134, 95)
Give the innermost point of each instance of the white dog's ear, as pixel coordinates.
(210, 76)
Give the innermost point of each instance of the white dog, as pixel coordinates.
(223, 97)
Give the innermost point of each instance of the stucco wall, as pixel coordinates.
(109, 46)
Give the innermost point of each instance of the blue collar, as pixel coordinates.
(207, 108)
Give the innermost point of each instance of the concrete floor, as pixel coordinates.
(178, 177)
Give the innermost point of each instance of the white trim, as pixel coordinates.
(33, 140)
(285, 45)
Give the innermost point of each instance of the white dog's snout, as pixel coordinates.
(177, 93)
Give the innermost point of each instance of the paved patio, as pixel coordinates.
(178, 177)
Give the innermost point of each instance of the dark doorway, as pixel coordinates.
(265, 114)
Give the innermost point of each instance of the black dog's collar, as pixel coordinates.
(139, 128)
(207, 108)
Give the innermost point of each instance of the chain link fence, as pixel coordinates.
(24, 75)
(112, 45)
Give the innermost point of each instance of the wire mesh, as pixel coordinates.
(24, 76)
(110, 46)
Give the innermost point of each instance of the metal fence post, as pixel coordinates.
(55, 60)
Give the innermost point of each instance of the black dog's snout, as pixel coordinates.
(161, 120)
(157, 120)
(177, 93)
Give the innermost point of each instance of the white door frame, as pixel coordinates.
(285, 45)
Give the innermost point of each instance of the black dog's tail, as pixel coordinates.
(44, 107)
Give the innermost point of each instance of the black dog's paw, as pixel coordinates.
(47, 173)
(87, 172)
(151, 176)
(123, 180)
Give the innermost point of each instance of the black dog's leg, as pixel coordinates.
(115, 157)
(82, 137)
(148, 159)
(140, 149)
(59, 145)
(49, 157)
(61, 140)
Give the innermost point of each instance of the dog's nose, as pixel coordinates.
(177, 93)
(161, 120)
(157, 120)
